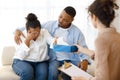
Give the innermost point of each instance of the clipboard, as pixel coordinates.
(74, 71)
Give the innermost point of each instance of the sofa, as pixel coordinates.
(6, 72)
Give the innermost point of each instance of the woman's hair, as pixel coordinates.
(104, 10)
(32, 21)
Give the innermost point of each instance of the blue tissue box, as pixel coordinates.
(64, 48)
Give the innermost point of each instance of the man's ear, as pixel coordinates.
(72, 19)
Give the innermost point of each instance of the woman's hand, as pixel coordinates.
(31, 36)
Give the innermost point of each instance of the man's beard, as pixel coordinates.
(64, 26)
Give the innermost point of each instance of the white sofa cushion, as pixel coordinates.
(6, 73)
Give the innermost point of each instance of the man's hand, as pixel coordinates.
(17, 35)
(83, 65)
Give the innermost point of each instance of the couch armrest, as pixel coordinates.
(7, 55)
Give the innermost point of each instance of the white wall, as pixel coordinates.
(116, 22)
(13, 13)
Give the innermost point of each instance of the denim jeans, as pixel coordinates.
(53, 70)
(30, 70)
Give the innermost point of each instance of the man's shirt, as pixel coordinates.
(71, 35)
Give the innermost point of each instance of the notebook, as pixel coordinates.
(74, 71)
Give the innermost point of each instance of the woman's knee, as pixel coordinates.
(23, 69)
(42, 71)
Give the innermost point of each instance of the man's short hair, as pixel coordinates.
(70, 10)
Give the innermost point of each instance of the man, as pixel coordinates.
(64, 28)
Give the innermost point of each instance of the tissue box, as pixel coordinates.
(64, 48)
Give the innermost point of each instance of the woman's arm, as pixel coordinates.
(86, 51)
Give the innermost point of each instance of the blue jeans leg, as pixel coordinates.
(41, 72)
(53, 70)
(75, 62)
(23, 69)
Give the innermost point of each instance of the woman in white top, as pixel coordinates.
(30, 60)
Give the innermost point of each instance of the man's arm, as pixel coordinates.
(85, 59)
(22, 49)
(83, 46)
